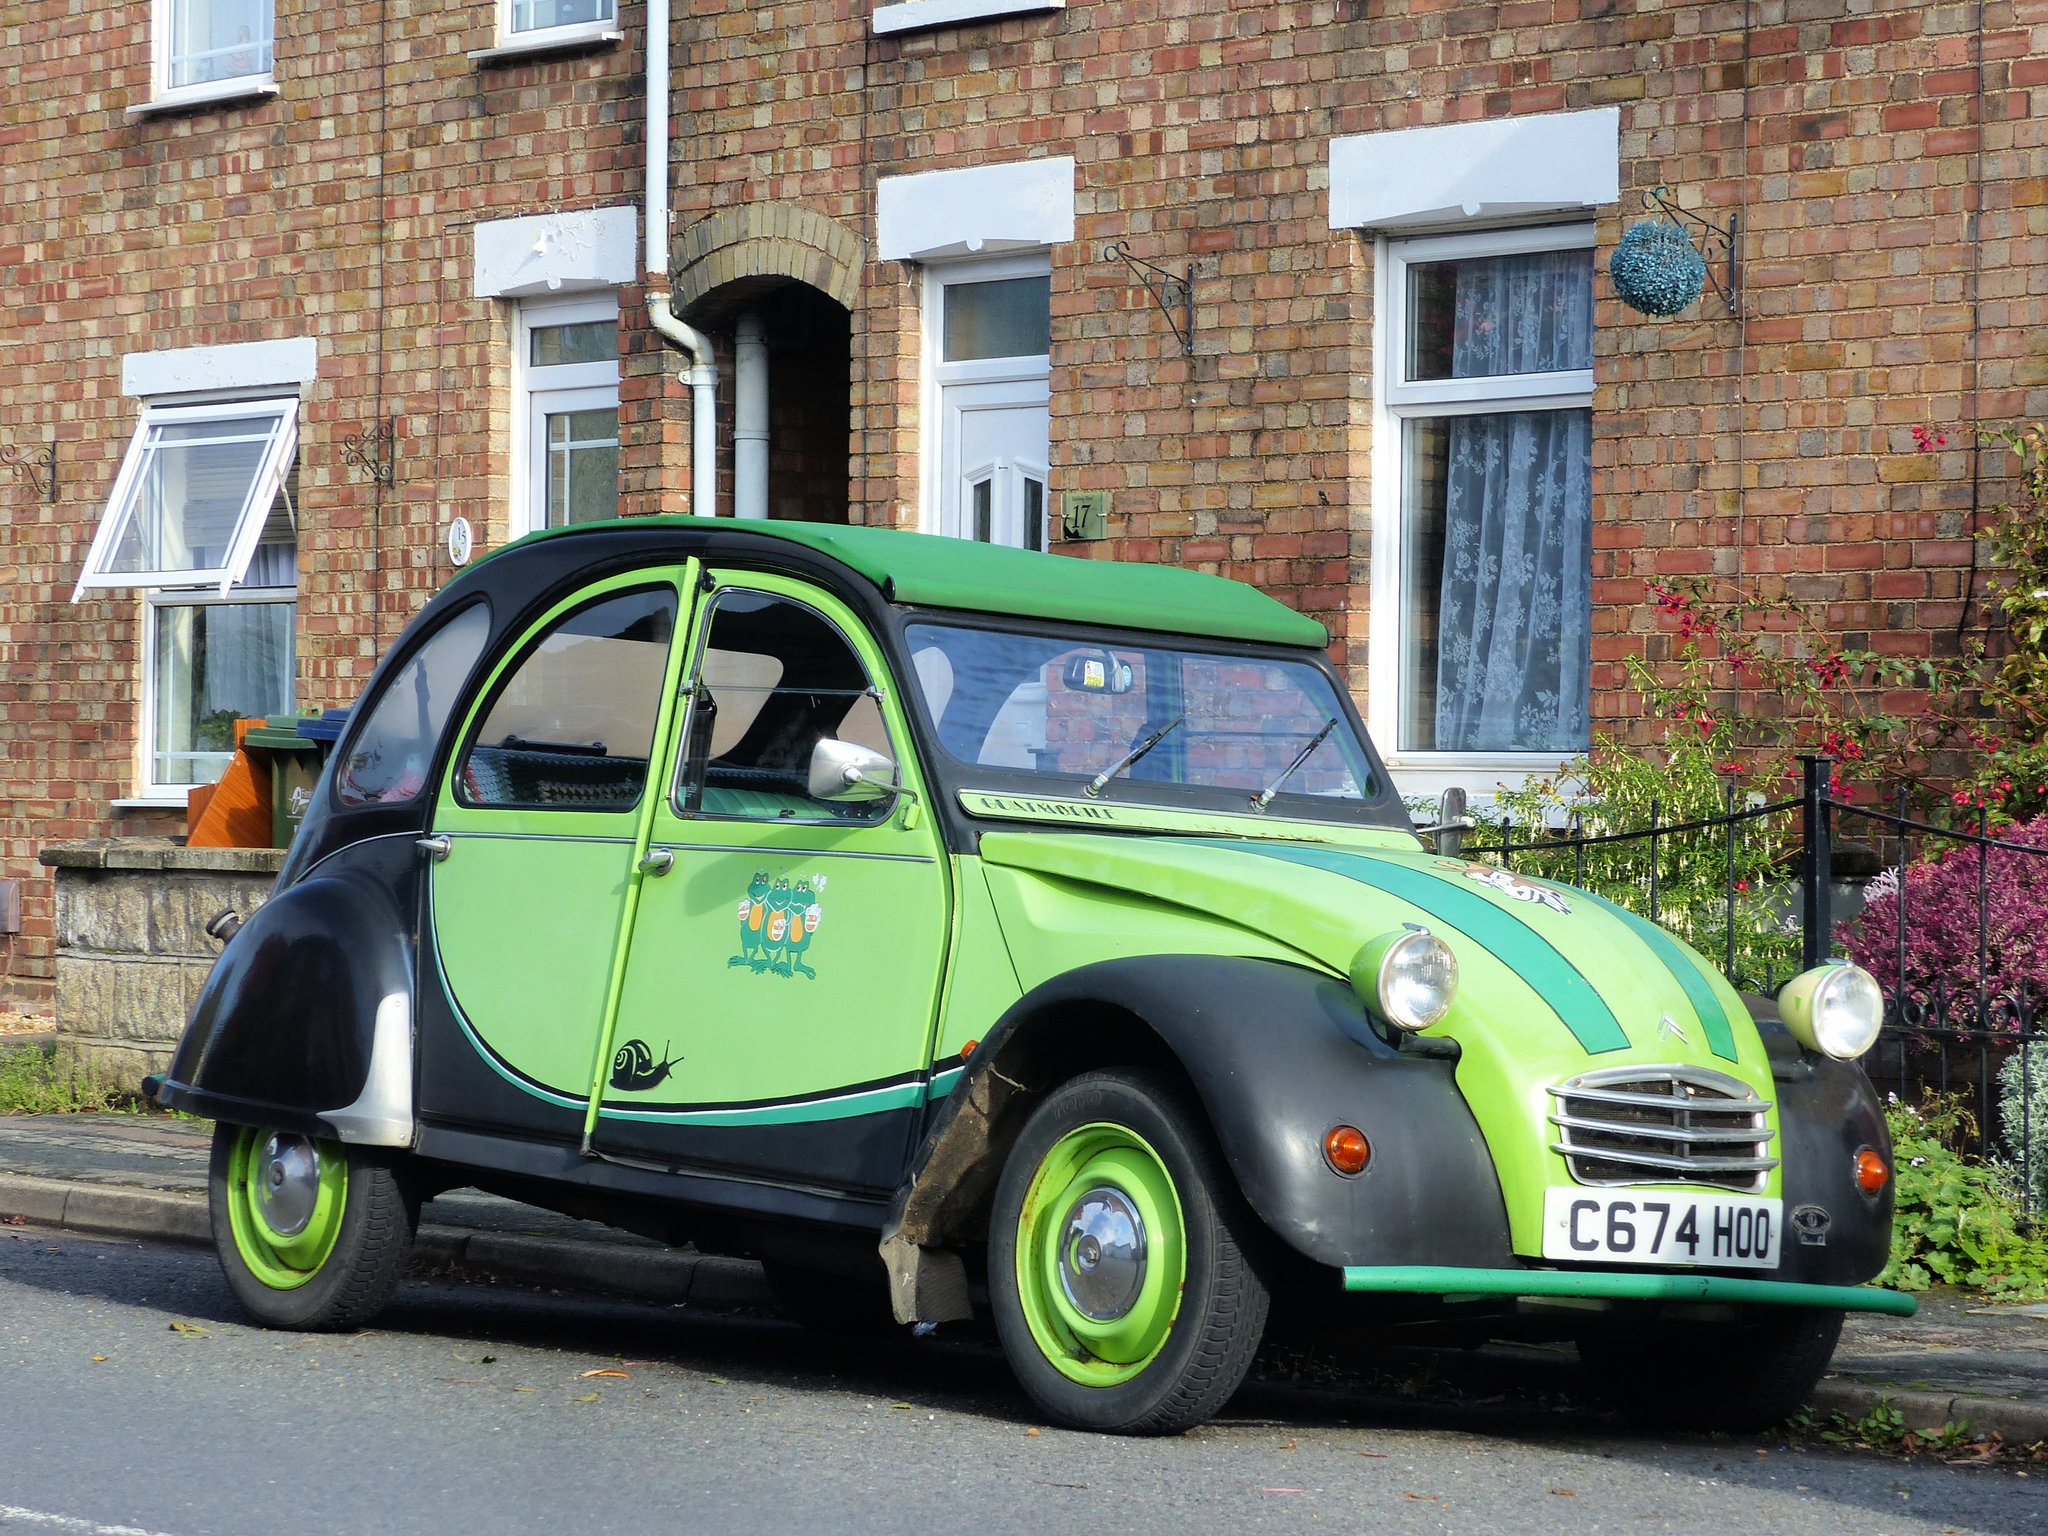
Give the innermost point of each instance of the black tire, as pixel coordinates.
(1749, 1377)
(1215, 1332)
(355, 1278)
(828, 1303)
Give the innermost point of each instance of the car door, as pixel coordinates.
(776, 1009)
(538, 825)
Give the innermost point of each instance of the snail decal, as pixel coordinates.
(777, 920)
(634, 1069)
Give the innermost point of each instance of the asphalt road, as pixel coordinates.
(132, 1395)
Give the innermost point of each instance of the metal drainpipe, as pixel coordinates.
(749, 418)
(702, 374)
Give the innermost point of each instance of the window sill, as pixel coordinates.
(554, 40)
(195, 98)
(145, 804)
(919, 15)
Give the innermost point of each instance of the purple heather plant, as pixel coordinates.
(1940, 895)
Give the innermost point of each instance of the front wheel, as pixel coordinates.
(311, 1234)
(1118, 1272)
(1755, 1376)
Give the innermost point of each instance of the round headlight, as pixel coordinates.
(1411, 975)
(1834, 1009)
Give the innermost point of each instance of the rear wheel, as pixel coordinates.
(310, 1234)
(1118, 1272)
(1757, 1375)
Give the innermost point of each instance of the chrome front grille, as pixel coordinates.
(1663, 1125)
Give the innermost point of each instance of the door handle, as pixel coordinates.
(436, 847)
(657, 861)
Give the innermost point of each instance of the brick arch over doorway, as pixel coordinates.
(771, 241)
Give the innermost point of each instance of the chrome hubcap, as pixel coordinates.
(287, 1183)
(1102, 1255)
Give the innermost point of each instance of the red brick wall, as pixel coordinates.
(1885, 157)
(340, 210)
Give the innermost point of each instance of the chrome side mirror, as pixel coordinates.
(840, 770)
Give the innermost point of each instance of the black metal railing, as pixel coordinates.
(1970, 1022)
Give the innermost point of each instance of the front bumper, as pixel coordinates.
(1463, 1284)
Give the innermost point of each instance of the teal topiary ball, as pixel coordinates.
(1656, 268)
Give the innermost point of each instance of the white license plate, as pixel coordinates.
(1654, 1226)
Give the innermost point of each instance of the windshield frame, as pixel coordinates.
(1380, 808)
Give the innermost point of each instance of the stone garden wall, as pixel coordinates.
(132, 949)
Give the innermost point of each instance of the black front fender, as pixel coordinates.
(305, 1023)
(1278, 1055)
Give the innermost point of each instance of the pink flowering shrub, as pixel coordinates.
(1940, 894)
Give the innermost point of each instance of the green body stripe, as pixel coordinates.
(1713, 1017)
(1518, 946)
(1432, 1280)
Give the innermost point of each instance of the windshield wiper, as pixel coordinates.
(1265, 796)
(1095, 784)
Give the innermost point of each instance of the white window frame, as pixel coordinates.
(605, 29)
(941, 509)
(164, 96)
(1395, 401)
(262, 492)
(150, 791)
(541, 392)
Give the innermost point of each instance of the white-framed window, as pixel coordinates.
(987, 340)
(208, 662)
(206, 50)
(192, 496)
(555, 23)
(566, 426)
(1482, 535)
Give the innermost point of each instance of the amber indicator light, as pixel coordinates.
(967, 1050)
(1347, 1149)
(1871, 1172)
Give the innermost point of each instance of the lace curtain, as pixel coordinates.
(1515, 607)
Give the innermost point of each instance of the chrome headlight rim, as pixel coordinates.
(1812, 1005)
(1414, 947)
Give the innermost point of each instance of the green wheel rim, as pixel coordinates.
(284, 1261)
(1093, 1351)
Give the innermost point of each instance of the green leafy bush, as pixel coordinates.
(1960, 1220)
(2023, 1114)
(34, 1082)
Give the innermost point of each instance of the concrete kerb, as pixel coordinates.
(642, 1273)
(2015, 1423)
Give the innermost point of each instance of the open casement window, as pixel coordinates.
(192, 496)
(1482, 598)
(988, 335)
(569, 424)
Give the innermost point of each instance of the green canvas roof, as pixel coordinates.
(933, 571)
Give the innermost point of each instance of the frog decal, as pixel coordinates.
(804, 910)
(754, 925)
(777, 920)
(634, 1069)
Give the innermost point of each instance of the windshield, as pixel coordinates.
(1062, 708)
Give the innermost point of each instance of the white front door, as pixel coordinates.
(987, 340)
(996, 440)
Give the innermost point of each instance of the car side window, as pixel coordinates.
(388, 759)
(572, 725)
(776, 678)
